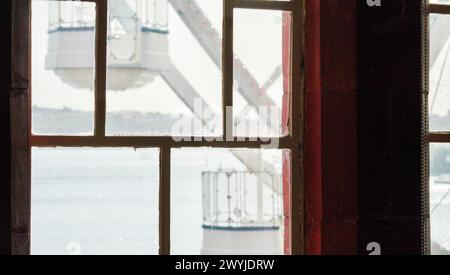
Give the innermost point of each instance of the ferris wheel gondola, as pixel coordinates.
(137, 42)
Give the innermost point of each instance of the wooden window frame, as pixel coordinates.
(433, 137)
(436, 137)
(292, 142)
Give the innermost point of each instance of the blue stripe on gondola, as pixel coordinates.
(147, 29)
(86, 29)
(71, 29)
(241, 229)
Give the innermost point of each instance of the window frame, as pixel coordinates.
(431, 137)
(292, 142)
(436, 136)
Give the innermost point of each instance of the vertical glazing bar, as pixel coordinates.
(297, 108)
(227, 74)
(297, 131)
(100, 67)
(164, 201)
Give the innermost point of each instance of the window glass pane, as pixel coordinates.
(229, 201)
(440, 198)
(442, 2)
(95, 201)
(164, 67)
(63, 50)
(261, 72)
(439, 100)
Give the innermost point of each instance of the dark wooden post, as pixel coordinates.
(390, 127)
(15, 154)
(363, 159)
(5, 127)
(21, 127)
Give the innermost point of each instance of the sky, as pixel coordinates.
(440, 82)
(257, 43)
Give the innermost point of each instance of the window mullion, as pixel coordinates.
(264, 4)
(227, 73)
(100, 67)
(296, 113)
(164, 201)
(439, 8)
(439, 137)
(296, 77)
